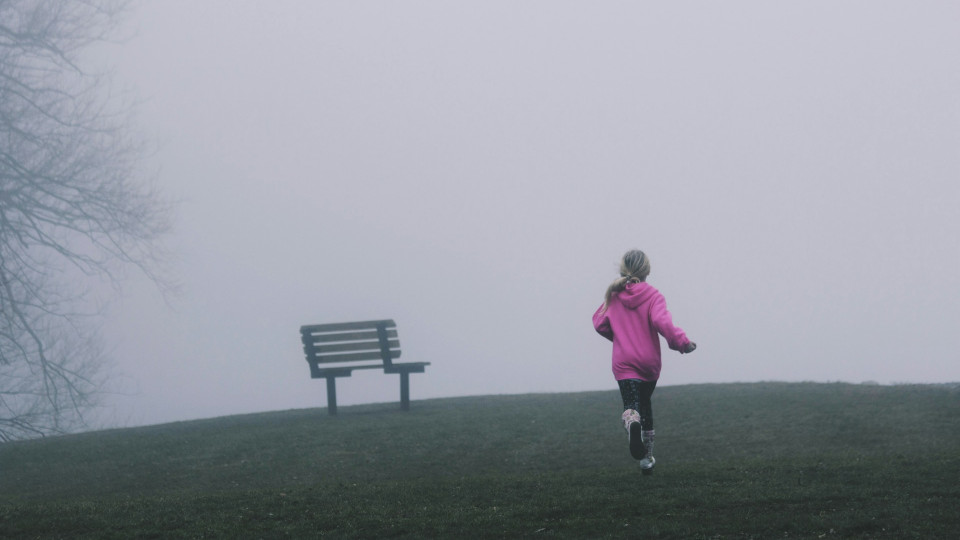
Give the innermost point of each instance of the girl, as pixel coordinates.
(633, 316)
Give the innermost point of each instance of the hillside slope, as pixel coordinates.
(740, 460)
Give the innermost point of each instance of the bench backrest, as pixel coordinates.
(351, 342)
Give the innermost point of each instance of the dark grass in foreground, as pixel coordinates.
(734, 461)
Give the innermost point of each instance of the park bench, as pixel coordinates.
(336, 350)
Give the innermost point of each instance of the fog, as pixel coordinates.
(475, 170)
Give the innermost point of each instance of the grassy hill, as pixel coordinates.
(758, 460)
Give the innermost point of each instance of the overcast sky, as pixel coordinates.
(474, 170)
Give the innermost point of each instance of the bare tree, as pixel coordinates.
(74, 210)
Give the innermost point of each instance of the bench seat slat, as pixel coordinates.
(410, 367)
(342, 371)
(353, 357)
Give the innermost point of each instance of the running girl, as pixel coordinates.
(633, 316)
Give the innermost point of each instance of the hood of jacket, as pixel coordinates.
(637, 294)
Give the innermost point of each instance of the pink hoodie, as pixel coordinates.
(632, 322)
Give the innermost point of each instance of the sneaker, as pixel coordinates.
(646, 465)
(637, 447)
(647, 462)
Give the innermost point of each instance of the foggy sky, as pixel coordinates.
(474, 170)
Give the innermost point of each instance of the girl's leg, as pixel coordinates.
(645, 389)
(638, 415)
(646, 421)
(629, 393)
(636, 396)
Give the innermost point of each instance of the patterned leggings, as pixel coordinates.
(636, 395)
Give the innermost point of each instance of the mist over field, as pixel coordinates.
(475, 170)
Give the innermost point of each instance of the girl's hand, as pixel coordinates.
(690, 347)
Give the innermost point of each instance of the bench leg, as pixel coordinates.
(332, 396)
(404, 391)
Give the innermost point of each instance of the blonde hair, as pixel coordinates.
(634, 268)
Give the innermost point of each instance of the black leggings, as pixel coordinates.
(636, 395)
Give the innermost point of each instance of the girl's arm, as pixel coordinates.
(601, 323)
(663, 323)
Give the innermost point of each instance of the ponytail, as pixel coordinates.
(634, 268)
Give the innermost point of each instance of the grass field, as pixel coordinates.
(764, 460)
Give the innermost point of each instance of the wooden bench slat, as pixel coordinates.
(338, 327)
(409, 367)
(353, 357)
(344, 371)
(346, 336)
(361, 346)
